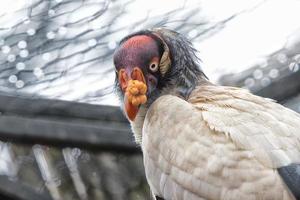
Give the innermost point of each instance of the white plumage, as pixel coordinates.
(199, 140)
(223, 143)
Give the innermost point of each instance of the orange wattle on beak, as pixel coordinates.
(135, 89)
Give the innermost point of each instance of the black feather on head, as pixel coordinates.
(185, 72)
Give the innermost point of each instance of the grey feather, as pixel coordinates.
(291, 176)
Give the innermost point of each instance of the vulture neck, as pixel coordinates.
(185, 72)
(184, 81)
(138, 123)
(181, 86)
(183, 77)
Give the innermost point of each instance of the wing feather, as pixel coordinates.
(223, 143)
(252, 122)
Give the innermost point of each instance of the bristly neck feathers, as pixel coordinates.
(185, 72)
(183, 76)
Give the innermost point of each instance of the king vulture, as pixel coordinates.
(200, 140)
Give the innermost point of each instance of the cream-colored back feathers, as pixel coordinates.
(269, 130)
(224, 143)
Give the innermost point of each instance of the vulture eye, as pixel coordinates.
(153, 66)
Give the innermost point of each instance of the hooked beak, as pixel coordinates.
(125, 76)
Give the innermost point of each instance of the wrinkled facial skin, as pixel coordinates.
(139, 54)
(139, 51)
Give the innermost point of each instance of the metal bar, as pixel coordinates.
(91, 135)
(66, 109)
(283, 88)
(64, 124)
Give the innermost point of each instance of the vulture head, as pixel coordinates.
(150, 63)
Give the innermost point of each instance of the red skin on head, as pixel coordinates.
(137, 51)
(132, 60)
(136, 41)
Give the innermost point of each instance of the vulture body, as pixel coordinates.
(200, 140)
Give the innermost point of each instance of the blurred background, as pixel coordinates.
(62, 136)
